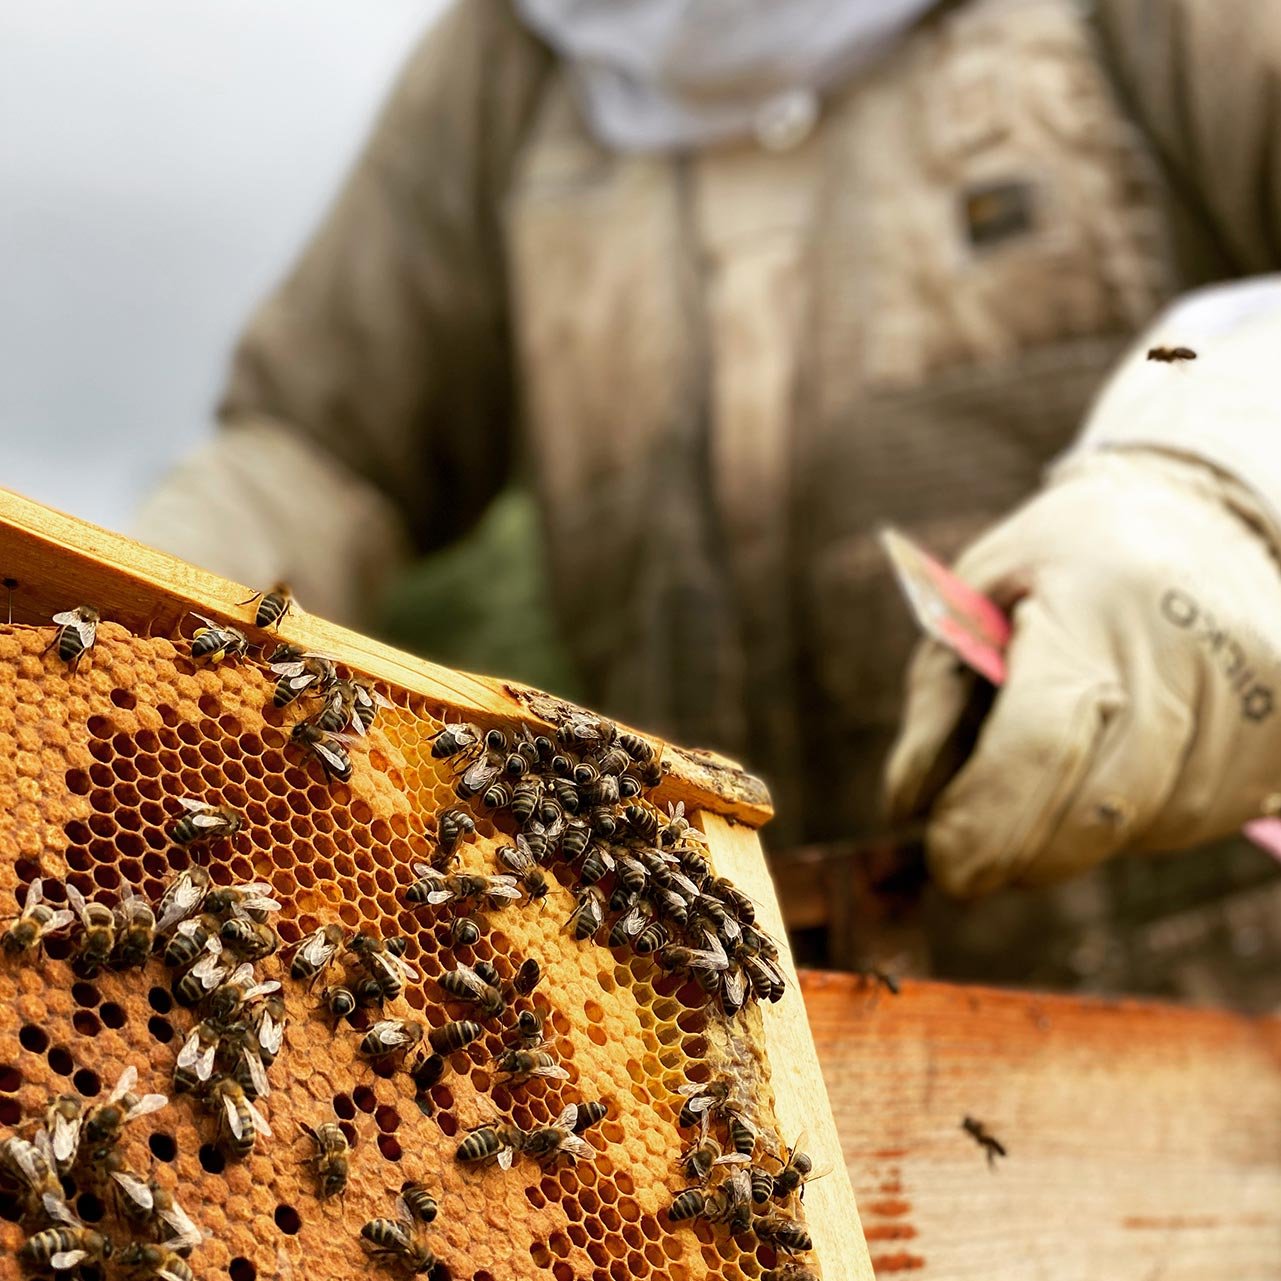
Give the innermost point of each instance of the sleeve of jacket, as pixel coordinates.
(384, 354)
(1203, 78)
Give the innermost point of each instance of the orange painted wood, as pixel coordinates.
(1144, 1140)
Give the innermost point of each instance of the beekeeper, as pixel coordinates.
(743, 281)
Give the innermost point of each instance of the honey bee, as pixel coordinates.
(527, 977)
(991, 1145)
(204, 976)
(519, 861)
(340, 1002)
(497, 796)
(269, 1028)
(205, 822)
(525, 797)
(529, 1029)
(464, 932)
(331, 1161)
(522, 1065)
(328, 749)
(454, 739)
(99, 936)
(70, 1245)
(382, 961)
(249, 939)
(762, 1184)
(451, 826)
(191, 939)
(161, 1262)
(677, 829)
(791, 1270)
(708, 1097)
(77, 631)
(590, 1114)
(135, 930)
(796, 1169)
(434, 888)
(731, 1201)
(782, 1232)
(597, 863)
(63, 1118)
(182, 896)
(150, 1204)
(588, 916)
(248, 1069)
(767, 980)
(428, 1070)
(565, 792)
(369, 991)
(253, 900)
(687, 1205)
(454, 1036)
(742, 1132)
(36, 920)
(394, 1239)
(581, 732)
(236, 992)
(491, 1142)
(391, 1036)
(338, 712)
(547, 1142)
(701, 1158)
(493, 760)
(272, 605)
(575, 839)
(691, 960)
(195, 1063)
(215, 642)
(1171, 355)
(296, 674)
(33, 1166)
(693, 862)
(314, 953)
(467, 984)
(105, 1122)
(417, 1202)
(239, 1121)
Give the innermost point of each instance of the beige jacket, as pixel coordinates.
(727, 368)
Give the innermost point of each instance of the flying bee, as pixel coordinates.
(36, 920)
(295, 675)
(597, 864)
(332, 1158)
(529, 1029)
(205, 975)
(452, 825)
(491, 1142)
(434, 887)
(77, 631)
(195, 1063)
(464, 932)
(339, 1001)
(454, 739)
(523, 1065)
(1171, 355)
(250, 940)
(239, 1121)
(561, 1138)
(135, 930)
(642, 820)
(183, 896)
(382, 960)
(588, 916)
(700, 1097)
(253, 901)
(269, 1028)
(521, 863)
(991, 1145)
(272, 605)
(161, 1262)
(394, 1239)
(70, 1245)
(315, 952)
(62, 1119)
(791, 1270)
(783, 1233)
(454, 1036)
(99, 935)
(205, 822)
(796, 1169)
(105, 1122)
(467, 984)
(236, 992)
(328, 749)
(391, 1036)
(418, 1202)
(215, 642)
(190, 940)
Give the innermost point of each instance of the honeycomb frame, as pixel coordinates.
(88, 777)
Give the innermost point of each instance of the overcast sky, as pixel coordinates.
(160, 164)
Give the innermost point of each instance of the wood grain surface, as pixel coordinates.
(1144, 1141)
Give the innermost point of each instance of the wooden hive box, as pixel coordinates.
(92, 765)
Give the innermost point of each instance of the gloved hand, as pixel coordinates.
(1142, 709)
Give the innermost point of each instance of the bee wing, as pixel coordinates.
(208, 622)
(741, 1182)
(77, 900)
(733, 1158)
(479, 774)
(242, 974)
(514, 857)
(437, 897)
(378, 699)
(193, 806)
(399, 963)
(186, 1235)
(270, 1034)
(58, 1210)
(426, 872)
(58, 920)
(257, 1073)
(262, 989)
(505, 1156)
(736, 985)
(145, 1105)
(233, 1117)
(35, 893)
(634, 921)
(317, 950)
(68, 618)
(471, 980)
(128, 1079)
(40, 1142)
(187, 896)
(256, 903)
(578, 1148)
(66, 1259)
(191, 1050)
(288, 667)
(568, 1117)
(502, 887)
(337, 760)
(135, 1189)
(552, 1070)
(260, 1121)
(66, 1138)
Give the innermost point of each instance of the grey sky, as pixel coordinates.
(160, 164)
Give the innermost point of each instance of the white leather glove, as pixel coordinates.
(1142, 709)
